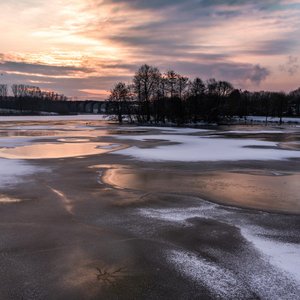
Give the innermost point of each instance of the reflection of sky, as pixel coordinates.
(56, 150)
(81, 47)
(262, 191)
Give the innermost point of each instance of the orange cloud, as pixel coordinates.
(110, 38)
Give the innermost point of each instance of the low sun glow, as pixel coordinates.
(108, 40)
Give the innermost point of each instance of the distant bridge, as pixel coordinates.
(87, 106)
(64, 107)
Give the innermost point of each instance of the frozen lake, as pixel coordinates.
(90, 209)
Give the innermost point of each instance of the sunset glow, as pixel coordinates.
(82, 47)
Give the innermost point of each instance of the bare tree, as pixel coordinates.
(182, 83)
(119, 96)
(224, 88)
(197, 87)
(22, 90)
(146, 83)
(212, 86)
(3, 90)
(219, 88)
(295, 97)
(171, 83)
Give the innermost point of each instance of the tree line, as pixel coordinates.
(29, 91)
(27, 98)
(153, 97)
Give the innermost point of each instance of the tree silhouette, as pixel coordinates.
(119, 96)
(174, 98)
(146, 83)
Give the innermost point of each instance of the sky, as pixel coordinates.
(81, 48)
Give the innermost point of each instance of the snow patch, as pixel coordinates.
(194, 148)
(220, 282)
(283, 255)
(179, 215)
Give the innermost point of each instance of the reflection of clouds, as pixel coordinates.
(5, 199)
(266, 190)
(61, 150)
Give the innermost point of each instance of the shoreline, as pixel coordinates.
(235, 121)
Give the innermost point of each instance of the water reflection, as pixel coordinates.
(49, 133)
(6, 200)
(254, 189)
(73, 140)
(51, 128)
(56, 150)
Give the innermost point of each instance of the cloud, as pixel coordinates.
(257, 74)
(292, 65)
(41, 69)
(230, 71)
(274, 47)
(87, 45)
(158, 4)
(221, 28)
(70, 86)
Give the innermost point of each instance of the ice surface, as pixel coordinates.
(254, 131)
(193, 148)
(54, 118)
(175, 129)
(109, 146)
(221, 282)
(12, 170)
(178, 214)
(7, 200)
(273, 275)
(284, 255)
(273, 119)
(10, 142)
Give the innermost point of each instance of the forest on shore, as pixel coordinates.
(153, 97)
